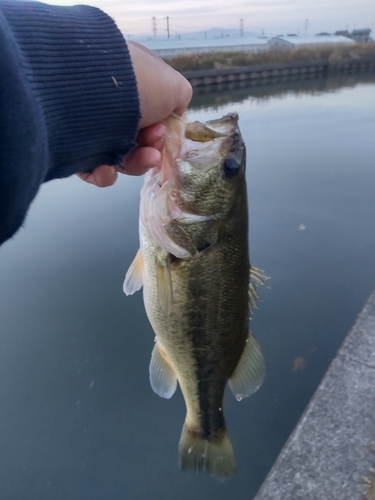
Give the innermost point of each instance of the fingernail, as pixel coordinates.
(160, 131)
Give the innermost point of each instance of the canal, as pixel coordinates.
(78, 419)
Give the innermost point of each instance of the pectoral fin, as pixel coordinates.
(164, 284)
(134, 277)
(249, 373)
(162, 377)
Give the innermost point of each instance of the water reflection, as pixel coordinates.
(214, 96)
(78, 418)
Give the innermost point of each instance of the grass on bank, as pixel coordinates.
(211, 60)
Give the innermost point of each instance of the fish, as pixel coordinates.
(198, 286)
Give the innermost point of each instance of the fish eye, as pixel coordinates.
(230, 168)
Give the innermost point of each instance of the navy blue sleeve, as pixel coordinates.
(68, 99)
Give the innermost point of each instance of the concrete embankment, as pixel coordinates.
(275, 73)
(330, 454)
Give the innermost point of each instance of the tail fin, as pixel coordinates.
(214, 455)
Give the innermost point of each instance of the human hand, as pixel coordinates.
(162, 90)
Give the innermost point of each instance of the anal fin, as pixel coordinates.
(249, 373)
(162, 377)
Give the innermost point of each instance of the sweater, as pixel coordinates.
(68, 99)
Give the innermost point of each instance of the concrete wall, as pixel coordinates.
(273, 73)
(329, 455)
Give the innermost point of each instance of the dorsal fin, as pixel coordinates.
(257, 278)
(249, 373)
(253, 296)
(162, 377)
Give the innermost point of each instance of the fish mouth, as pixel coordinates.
(191, 145)
(197, 142)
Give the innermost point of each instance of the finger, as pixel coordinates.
(152, 136)
(183, 95)
(161, 89)
(141, 160)
(102, 176)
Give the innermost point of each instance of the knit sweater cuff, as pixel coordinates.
(79, 67)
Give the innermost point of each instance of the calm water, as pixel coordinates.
(78, 419)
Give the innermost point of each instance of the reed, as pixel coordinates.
(330, 53)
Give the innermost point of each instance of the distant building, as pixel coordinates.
(184, 46)
(342, 33)
(294, 42)
(323, 33)
(361, 36)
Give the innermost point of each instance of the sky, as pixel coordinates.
(271, 16)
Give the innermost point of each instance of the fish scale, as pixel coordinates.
(194, 266)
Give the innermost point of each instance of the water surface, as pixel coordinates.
(78, 418)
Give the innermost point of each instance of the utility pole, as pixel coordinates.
(306, 26)
(167, 30)
(241, 27)
(154, 27)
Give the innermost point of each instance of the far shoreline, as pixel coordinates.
(275, 65)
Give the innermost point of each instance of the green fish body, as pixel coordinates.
(198, 285)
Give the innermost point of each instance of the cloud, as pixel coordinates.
(273, 15)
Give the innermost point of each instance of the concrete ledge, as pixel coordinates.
(329, 453)
(285, 71)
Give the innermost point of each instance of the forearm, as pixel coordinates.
(69, 100)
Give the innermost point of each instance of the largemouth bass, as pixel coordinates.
(198, 286)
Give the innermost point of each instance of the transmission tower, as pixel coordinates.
(154, 27)
(241, 27)
(306, 26)
(167, 30)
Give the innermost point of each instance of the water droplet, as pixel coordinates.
(238, 397)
